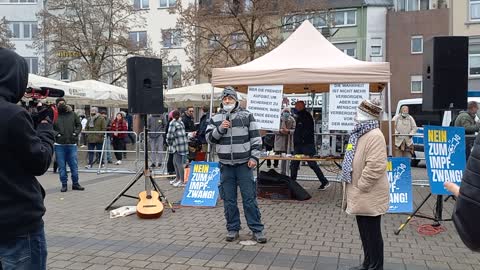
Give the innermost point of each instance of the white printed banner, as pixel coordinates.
(343, 102)
(265, 102)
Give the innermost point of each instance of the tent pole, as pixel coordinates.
(209, 149)
(389, 117)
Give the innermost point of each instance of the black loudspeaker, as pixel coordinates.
(445, 73)
(145, 85)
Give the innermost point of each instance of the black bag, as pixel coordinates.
(269, 139)
(273, 178)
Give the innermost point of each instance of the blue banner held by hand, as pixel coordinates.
(445, 156)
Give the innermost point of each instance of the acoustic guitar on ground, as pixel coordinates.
(149, 205)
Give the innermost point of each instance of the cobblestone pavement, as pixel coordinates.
(314, 234)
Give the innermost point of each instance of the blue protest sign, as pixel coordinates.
(400, 178)
(445, 156)
(202, 186)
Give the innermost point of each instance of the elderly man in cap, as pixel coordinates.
(467, 119)
(238, 143)
(67, 128)
(97, 123)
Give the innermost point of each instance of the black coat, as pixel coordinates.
(26, 153)
(466, 215)
(304, 129)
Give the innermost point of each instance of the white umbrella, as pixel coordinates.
(194, 95)
(102, 93)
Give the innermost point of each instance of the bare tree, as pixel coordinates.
(92, 38)
(5, 35)
(232, 32)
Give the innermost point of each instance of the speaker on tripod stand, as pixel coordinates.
(145, 96)
(445, 88)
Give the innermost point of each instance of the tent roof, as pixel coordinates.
(305, 62)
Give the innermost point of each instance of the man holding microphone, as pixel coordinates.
(236, 135)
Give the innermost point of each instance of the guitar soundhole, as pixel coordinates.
(149, 197)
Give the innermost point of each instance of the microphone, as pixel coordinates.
(45, 91)
(228, 117)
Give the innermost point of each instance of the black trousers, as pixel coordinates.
(118, 145)
(372, 241)
(170, 166)
(308, 150)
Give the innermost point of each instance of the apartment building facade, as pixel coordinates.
(409, 24)
(23, 24)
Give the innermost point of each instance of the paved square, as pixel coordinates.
(314, 234)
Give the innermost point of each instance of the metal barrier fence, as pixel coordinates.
(327, 144)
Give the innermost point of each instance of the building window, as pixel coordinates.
(236, 41)
(349, 48)
(167, 3)
(64, 72)
(262, 41)
(345, 18)
(32, 64)
(416, 84)
(172, 76)
(23, 30)
(376, 47)
(413, 5)
(474, 10)
(318, 20)
(171, 38)
(140, 4)
(417, 45)
(138, 39)
(474, 65)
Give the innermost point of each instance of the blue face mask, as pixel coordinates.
(286, 115)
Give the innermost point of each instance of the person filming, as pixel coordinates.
(26, 153)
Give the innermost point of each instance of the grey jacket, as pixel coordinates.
(238, 144)
(155, 125)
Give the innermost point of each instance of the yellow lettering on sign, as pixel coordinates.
(389, 166)
(437, 136)
(200, 168)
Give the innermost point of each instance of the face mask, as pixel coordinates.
(62, 108)
(228, 107)
(286, 115)
(404, 115)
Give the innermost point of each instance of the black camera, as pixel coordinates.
(38, 110)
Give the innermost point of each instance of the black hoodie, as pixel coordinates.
(26, 153)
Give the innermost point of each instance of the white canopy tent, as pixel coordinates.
(306, 63)
(195, 95)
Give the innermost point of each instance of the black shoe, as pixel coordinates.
(64, 189)
(231, 236)
(259, 237)
(110, 162)
(77, 187)
(152, 165)
(324, 186)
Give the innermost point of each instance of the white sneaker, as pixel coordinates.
(179, 184)
(88, 167)
(173, 181)
(118, 162)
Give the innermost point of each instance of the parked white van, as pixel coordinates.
(423, 118)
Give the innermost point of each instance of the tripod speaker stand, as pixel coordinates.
(146, 172)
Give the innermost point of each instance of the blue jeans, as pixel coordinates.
(242, 176)
(25, 252)
(67, 154)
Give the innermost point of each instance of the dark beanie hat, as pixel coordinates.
(59, 99)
